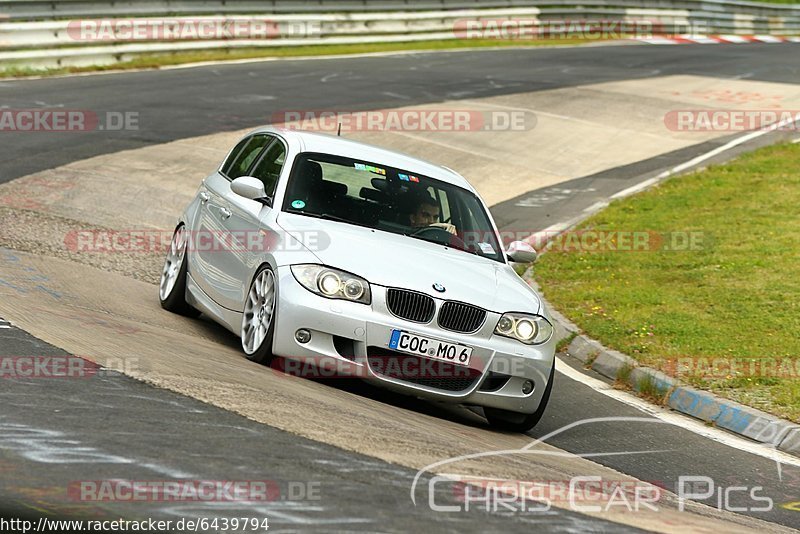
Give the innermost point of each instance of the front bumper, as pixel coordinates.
(353, 338)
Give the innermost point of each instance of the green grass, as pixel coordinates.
(563, 344)
(155, 61)
(735, 296)
(624, 375)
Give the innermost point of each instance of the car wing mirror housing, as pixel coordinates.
(249, 187)
(521, 252)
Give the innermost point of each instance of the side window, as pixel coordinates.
(269, 166)
(244, 155)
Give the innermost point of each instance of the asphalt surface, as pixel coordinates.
(57, 433)
(189, 102)
(183, 103)
(537, 210)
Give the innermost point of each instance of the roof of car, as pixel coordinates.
(340, 146)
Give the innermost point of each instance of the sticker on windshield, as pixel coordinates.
(413, 178)
(486, 248)
(298, 204)
(370, 168)
(403, 177)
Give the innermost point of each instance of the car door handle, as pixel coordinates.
(225, 213)
(204, 197)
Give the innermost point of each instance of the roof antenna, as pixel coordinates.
(339, 131)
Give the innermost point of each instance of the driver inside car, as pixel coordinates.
(426, 213)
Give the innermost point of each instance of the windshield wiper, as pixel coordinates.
(449, 245)
(326, 216)
(329, 217)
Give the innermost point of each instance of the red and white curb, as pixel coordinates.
(718, 39)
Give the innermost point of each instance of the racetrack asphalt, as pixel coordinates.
(180, 103)
(58, 433)
(189, 102)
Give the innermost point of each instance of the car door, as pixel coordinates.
(241, 223)
(225, 222)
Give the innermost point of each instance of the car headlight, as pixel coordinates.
(527, 328)
(332, 283)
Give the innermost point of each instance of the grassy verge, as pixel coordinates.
(721, 312)
(155, 61)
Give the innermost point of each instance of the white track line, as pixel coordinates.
(703, 157)
(596, 207)
(727, 146)
(682, 421)
(635, 188)
(542, 236)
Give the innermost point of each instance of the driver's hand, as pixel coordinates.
(445, 226)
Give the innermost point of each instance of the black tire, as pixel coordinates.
(520, 422)
(175, 300)
(263, 354)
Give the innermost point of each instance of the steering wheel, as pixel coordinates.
(441, 236)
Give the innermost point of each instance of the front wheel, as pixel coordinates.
(520, 422)
(172, 287)
(258, 319)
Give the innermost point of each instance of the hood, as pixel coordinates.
(393, 260)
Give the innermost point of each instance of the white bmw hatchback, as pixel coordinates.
(313, 247)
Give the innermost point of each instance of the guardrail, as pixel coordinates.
(42, 10)
(38, 9)
(35, 34)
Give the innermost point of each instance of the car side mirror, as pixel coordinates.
(521, 252)
(249, 187)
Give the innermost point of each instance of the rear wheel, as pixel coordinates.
(258, 319)
(172, 287)
(520, 422)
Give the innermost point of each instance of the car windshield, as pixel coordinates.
(392, 200)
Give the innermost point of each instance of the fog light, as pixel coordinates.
(302, 336)
(527, 387)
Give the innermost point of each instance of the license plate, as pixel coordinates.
(430, 348)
